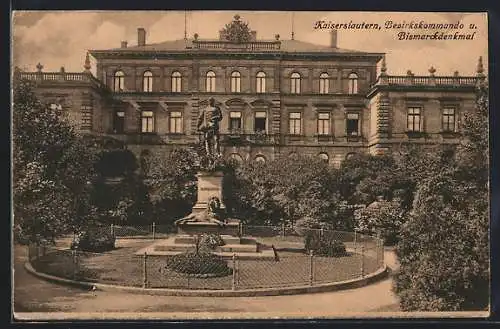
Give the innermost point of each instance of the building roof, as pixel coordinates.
(290, 46)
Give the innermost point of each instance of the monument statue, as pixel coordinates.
(213, 214)
(208, 124)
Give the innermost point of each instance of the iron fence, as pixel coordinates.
(292, 265)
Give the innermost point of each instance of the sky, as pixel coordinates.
(61, 38)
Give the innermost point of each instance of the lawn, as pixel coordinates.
(122, 267)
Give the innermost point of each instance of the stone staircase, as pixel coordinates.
(241, 247)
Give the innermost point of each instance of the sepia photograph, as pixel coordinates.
(249, 165)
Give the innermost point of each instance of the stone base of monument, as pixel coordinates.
(232, 227)
(241, 247)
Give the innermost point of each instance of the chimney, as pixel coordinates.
(333, 38)
(124, 44)
(141, 36)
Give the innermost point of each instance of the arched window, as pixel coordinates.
(119, 81)
(260, 159)
(323, 83)
(176, 82)
(353, 83)
(261, 82)
(295, 83)
(210, 84)
(235, 82)
(147, 82)
(323, 156)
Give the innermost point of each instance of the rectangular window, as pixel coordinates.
(147, 120)
(352, 124)
(176, 122)
(86, 122)
(323, 123)
(235, 121)
(295, 123)
(119, 122)
(414, 122)
(449, 119)
(260, 121)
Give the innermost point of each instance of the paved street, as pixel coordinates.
(34, 295)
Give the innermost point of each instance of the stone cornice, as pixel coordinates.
(190, 54)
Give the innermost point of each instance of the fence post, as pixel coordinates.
(321, 233)
(74, 256)
(355, 240)
(362, 261)
(233, 285)
(382, 253)
(283, 229)
(311, 268)
(144, 270)
(112, 229)
(154, 230)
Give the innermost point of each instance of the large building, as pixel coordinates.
(278, 97)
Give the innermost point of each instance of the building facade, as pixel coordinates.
(278, 97)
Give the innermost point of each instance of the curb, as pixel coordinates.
(326, 287)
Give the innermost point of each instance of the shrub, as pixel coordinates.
(384, 221)
(211, 241)
(201, 263)
(96, 239)
(322, 246)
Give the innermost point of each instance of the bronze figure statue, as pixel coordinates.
(213, 214)
(208, 124)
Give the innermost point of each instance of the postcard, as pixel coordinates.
(249, 165)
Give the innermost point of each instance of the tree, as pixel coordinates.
(364, 177)
(52, 170)
(171, 184)
(443, 250)
(383, 219)
(304, 190)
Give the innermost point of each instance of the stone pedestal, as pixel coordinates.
(193, 228)
(209, 184)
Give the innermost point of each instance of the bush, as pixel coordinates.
(211, 241)
(201, 263)
(384, 221)
(97, 239)
(322, 246)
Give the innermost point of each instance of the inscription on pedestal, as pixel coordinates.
(209, 186)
